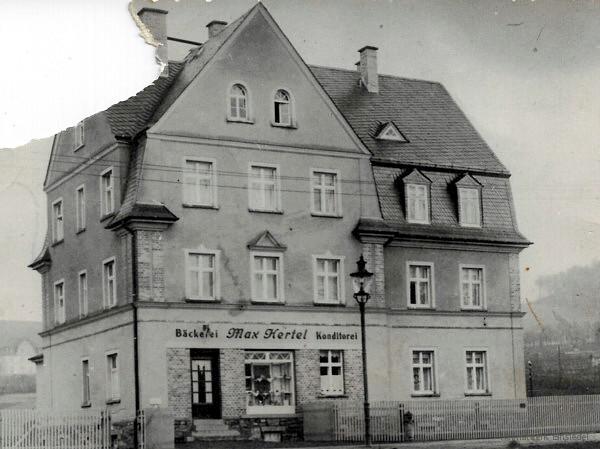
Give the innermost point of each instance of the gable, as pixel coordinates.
(390, 131)
(266, 241)
(467, 180)
(258, 56)
(415, 177)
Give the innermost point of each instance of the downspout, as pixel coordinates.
(135, 288)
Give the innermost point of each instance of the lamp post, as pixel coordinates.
(361, 284)
(530, 369)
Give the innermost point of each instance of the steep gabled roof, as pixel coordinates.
(439, 134)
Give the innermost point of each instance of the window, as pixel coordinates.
(269, 382)
(58, 231)
(283, 108)
(112, 378)
(472, 287)
(326, 195)
(267, 282)
(391, 132)
(329, 279)
(238, 103)
(59, 302)
(79, 135)
(80, 208)
(264, 188)
(83, 293)
(420, 285)
(423, 372)
(417, 203)
(331, 366)
(86, 399)
(469, 207)
(200, 183)
(202, 274)
(109, 284)
(107, 200)
(476, 365)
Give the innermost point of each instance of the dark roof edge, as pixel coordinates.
(42, 259)
(38, 358)
(382, 162)
(380, 74)
(144, 212)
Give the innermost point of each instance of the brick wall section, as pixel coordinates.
(47, 309)
(233, 383)
(373, 254)
(151, 272)
(515, 282)
(308, 381)
(179, 382)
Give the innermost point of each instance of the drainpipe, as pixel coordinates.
(136, 373)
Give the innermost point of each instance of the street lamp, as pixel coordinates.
(361, 284)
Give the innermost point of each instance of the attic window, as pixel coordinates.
(391, 132)
(79, 136)
(468, 191)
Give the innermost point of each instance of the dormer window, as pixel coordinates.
(389, 131)
(79, 136)
(282, 108)
(469, 207)
(417, 202)
(238, 103)
(468, 191)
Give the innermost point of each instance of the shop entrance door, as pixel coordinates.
(206, 385)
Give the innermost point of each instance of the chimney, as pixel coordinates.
(156, 22)
(215, 27)
(368, 68)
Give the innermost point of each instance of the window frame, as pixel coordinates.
(427, 187)
(60, 312)
(486, 372)
(104, 212)
(483, 291)
(56, 238)
(202, 250)
(280, 277)
(340, 279)
(86, 389)
(110, 371)
(434, 373)
(329, 364)
(79, 135)
(228, 96)
(105, 303)
(83, 299)
(337, 192)
(479, 207)
(291, 111)
(213, 182)
(277, 183)
(80, 212)
(273, 409)
(431, 304)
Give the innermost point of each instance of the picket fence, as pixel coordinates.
(437, 420)
(40, 429)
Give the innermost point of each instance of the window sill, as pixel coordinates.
(202, 300)
(200, 206)
(462, 225)
(424, 223)
(425, 395)
(323, 215)
(79, 231)
(414, 307)
(57, 242)
(113, 401)
(473, 309)
(329, 304)
(283, 125)
(240, 120)
(86, 405)
(107, 216)
(477, 394)
(332, 396)
(266, 211)
(79, 147)
(267, 302)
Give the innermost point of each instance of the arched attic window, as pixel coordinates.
(238, 103)
(282, 108)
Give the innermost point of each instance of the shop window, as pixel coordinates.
(112, 378)
(423, 372)
(477, 376)
(331, 366)
(420, 285)
(269, 382)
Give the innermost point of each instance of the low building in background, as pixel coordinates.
(19, 341)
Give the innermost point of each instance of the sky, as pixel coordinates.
(526, 73)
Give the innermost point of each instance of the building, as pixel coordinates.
(201, 235)
(18, 343)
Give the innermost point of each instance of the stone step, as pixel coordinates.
(210, 424)
(213, 435)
